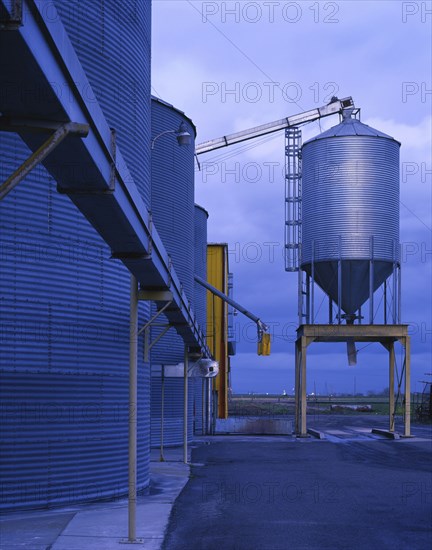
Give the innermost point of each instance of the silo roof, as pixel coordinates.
(170, 106)
(350, 127)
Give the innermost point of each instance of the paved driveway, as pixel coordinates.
(351, 491)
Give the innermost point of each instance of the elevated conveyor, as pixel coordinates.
(43, 88)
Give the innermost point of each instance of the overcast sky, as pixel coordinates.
(233, 65)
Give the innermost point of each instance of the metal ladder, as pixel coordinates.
(292, 198)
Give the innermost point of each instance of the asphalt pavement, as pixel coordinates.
(353, 490)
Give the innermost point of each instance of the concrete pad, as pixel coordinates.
(32, 531)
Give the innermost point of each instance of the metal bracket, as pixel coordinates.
(16, 19)
(113, 164)
(80, 130)
(150, 237)
(152, 296)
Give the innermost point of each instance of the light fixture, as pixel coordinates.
(182, 135)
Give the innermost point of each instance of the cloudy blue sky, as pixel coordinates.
(233, 65)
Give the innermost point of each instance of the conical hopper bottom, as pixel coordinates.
(355, 280)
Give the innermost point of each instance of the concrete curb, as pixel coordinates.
(386, 433)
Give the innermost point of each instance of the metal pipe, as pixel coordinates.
(307, 299)
(185, 407)
(133, 364)
(230, 301)
(330, 311)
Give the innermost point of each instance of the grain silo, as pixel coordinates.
(343, 216)
(64, 303)
(172, 208)
(350, 211)
(200, 307)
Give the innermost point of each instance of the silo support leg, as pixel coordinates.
(407, 432)
(303, 431)
(297, 387)
(391, 387)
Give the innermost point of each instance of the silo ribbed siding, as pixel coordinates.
(65, 304)
(200, 293)
(172, 208)
(350, 195)
(200, 301)
(173, 410)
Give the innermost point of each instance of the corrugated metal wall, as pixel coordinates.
(113, 42)
(350, 208)
(65, 304)
(200, 293)
(173, 395)
(200, 304)
(172, 206)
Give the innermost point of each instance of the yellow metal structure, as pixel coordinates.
(217, 321)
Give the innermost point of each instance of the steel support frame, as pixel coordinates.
(62, 132)
(386, 335)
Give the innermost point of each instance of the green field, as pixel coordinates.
(274, 405)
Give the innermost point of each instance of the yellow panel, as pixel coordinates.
(217, 320)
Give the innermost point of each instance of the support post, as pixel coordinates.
(339, 291)
(371, 282)
(161, 457)
(303, 431)
(209, 406)
(185, 407)
(391, 387)
(133, 363)
(407, 386)
(340, 282)
(312, 290)
(399, 296)
(203, 408)
(297, 387)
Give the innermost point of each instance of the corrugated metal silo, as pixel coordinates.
(350, 210)
(171, 390)
(200, 293)
(65, 304)
(172, 206)
(200, 305)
